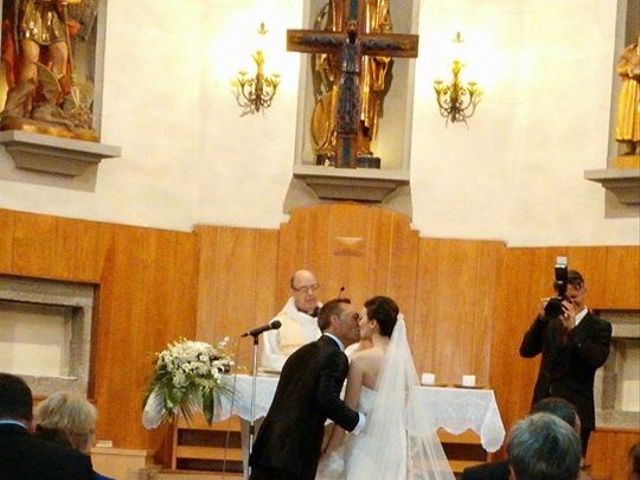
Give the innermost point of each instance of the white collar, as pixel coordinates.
(340, 344)
(581, 315)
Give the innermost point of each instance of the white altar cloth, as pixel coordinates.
(459, 409)
(454, 409)
(240, 403)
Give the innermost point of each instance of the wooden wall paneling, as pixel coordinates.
(424, 324)
(292, 253)
(149, 304)
(207, 242)
(54, 247)
(7, 220)
(346, 257)
(608, 451)
(621, 278)
(237, 271)
(455, 307)
(511, 376)
(378, 254)
(266, 266)
(312, 254)
(488, 263)
(403, 269)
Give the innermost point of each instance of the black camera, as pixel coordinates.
(553, 308)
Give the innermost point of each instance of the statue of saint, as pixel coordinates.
(628, 117)
(44, 94)
(327, 70)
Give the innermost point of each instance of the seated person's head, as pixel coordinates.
(634, 462)
(561, 408)
(384, 311)
(16, 400)
(68, 416)
(543, 446)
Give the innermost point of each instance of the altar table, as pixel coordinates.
(454, 409)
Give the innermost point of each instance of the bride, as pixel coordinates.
(398, 441)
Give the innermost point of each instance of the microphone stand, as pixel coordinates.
(254, 384)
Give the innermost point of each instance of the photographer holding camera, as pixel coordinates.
(574, 343)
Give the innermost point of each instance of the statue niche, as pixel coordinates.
(48, 51)
(375, 81)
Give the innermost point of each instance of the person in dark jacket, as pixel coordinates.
(22, 455)
(289, 443)
(573, 346)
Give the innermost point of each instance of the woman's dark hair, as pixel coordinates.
(384, 311)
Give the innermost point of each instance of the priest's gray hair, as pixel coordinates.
(543, 446)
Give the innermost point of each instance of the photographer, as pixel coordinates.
(574, 343)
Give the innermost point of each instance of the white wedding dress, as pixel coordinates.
(398, 442)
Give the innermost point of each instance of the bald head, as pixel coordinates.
(304, 287)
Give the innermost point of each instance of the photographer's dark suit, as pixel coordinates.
(289, 443)
(570, 359)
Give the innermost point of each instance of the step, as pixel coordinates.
(193, 475)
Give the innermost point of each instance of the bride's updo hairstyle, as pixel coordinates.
(384, 311)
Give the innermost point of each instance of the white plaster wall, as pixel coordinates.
(188, 157)
(151, 109)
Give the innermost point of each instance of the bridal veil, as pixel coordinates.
(401, 440)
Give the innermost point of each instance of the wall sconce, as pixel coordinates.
(457, 101)
(256, 93)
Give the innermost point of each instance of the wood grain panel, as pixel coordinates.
(6, 240)
(608, 453)
(53, 247)
(456, 284)
(150, 302)
(236, 284)
(622, 278)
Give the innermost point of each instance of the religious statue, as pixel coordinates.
(46, 93)
(328, 71)
(628, 117)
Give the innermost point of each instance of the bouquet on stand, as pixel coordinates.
(187, 378)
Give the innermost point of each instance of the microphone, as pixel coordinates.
(254, 332)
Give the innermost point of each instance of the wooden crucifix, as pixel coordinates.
(351, 43)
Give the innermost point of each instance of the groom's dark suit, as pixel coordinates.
(290, 438)
(25, 457)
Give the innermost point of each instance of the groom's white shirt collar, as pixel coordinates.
(340, 344)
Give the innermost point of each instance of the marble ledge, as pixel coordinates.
(46, 153)
(624, 183)
(359, 184)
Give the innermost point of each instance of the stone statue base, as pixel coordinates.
(367, 161)
(46, 128)
(627, 161)
(364, 161)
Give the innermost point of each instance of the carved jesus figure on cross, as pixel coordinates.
(350, 44)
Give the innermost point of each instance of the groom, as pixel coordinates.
(289, 443)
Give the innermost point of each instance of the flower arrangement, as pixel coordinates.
(187, 378)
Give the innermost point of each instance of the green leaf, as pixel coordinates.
(207, 405)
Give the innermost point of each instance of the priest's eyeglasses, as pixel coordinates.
(307, 288)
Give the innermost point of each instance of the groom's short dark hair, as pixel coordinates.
(332, 307)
